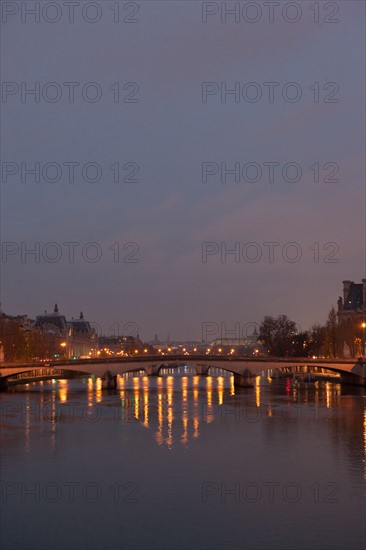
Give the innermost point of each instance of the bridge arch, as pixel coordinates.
(34, 373)
(352, 371)
(200, 368)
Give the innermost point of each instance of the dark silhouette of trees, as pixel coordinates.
(280, 338)
(277, 335)
(332, 335)
(316, 340)
(300, 344)
(12, 340)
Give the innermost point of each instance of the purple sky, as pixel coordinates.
(169, 212)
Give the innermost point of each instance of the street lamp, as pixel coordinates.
(63, 345)
(363, 326)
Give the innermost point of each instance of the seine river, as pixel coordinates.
(183, 462)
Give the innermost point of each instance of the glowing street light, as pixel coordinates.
(363, 326)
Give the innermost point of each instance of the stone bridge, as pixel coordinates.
(244, 369)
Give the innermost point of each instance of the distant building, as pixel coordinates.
(75, 338)
(119, 345)
(246, 346)
(353, 304)
(52, 323)
(82, 340)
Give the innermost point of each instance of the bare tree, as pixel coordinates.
(277, 335)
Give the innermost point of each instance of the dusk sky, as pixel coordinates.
(162, 140)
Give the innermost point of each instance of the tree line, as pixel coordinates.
(335, 338)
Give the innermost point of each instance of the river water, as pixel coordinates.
(183, 462)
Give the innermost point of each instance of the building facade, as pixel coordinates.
(352, 307)
(82, 338)
(75, 338)
(352, 318)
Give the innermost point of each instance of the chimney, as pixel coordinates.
(346, 288)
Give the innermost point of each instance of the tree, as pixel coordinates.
(332, 335)
(300, 344)
(12, 339)
(317, 337)
(277, 335)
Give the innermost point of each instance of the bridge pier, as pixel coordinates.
(152, 370)
(353, 379)
(244, 380)
(201, 370)
(109, 381)
(3, 384)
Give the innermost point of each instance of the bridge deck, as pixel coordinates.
(241, 366)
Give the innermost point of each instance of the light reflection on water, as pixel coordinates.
(175, 403)
(172, 434)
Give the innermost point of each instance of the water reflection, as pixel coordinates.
(145, 384)
(98, 390)
(174, 407)
(258, 391)
(172, 433)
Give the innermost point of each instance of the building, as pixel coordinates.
(54, 334)
(352, 307)
(82, 338)
(75, 338)
(15, 337)
(352, 318)
(121, 345)
(52, 323)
